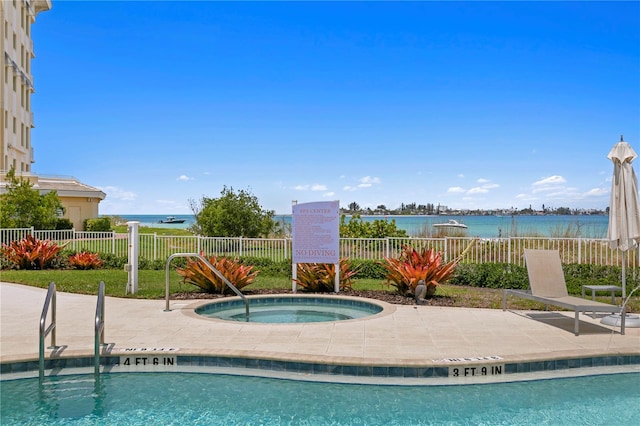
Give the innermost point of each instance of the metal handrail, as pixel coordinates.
(99, 327)
(50, 300)
(215, 271)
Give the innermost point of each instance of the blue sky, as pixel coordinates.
(468, 105)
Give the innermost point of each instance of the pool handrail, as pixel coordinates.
(99, 327)
(50, 300)
(213, 269)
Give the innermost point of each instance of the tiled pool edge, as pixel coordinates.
(409, 372)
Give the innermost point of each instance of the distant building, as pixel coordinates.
(16, 119)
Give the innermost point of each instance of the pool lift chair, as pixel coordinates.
(546, 280)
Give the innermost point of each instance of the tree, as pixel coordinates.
(232, 215)
(356, 227)
(354, 207)
(23, 207)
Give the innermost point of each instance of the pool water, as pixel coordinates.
(290, 310)
(209, 399)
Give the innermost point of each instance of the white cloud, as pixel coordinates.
(318, 187)
(461, 176)
(329, 194)
(369, 179)
(548, 182)
(349, 188)
(114, 192)
(482, 180)
(184, 178)
(301, 187)
(551, 180)
(456, 189)
(596, 192)
(478, 190)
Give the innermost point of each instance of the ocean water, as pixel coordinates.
(153, 220)
(586, 226)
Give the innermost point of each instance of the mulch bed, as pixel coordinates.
(385, 296)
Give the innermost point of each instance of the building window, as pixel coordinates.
(14, 125)
(14, 41)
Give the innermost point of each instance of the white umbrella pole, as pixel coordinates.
(624, 278)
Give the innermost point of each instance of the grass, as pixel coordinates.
(151, 285)
(122, 229)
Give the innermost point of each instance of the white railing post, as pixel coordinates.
(579, 250)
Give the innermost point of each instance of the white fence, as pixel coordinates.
(495, 250)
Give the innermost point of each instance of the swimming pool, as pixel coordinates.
(212, 399)
(290, 309)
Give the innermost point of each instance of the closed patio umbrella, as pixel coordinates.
(624, 210)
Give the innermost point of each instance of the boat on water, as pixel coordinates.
(172, 219)
(450, 224)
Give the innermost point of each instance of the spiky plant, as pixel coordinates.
(31, 253)
(196, 272)
(320, 277)
(412, 266)
(85, 260)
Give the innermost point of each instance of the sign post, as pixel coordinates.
(316, 236)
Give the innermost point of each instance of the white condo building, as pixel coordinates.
(16, 119)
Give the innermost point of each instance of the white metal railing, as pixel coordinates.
(99, 328)
(213, 269)
(494, 250)
(49, 301)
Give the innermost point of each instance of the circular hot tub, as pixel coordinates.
(290, 309)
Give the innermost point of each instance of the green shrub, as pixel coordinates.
(268, 266)
(102, 224)
(577, 275)
(369, 269)
(491, 275)
(111, 261)
(63, 223)
(157, 264)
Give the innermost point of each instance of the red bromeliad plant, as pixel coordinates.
(320, 277)
(85, 260)
(31, 253)
(406, 271)
(199, 274)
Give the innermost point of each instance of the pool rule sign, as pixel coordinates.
(316, 236)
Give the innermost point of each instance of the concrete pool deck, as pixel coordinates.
(410, 336)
